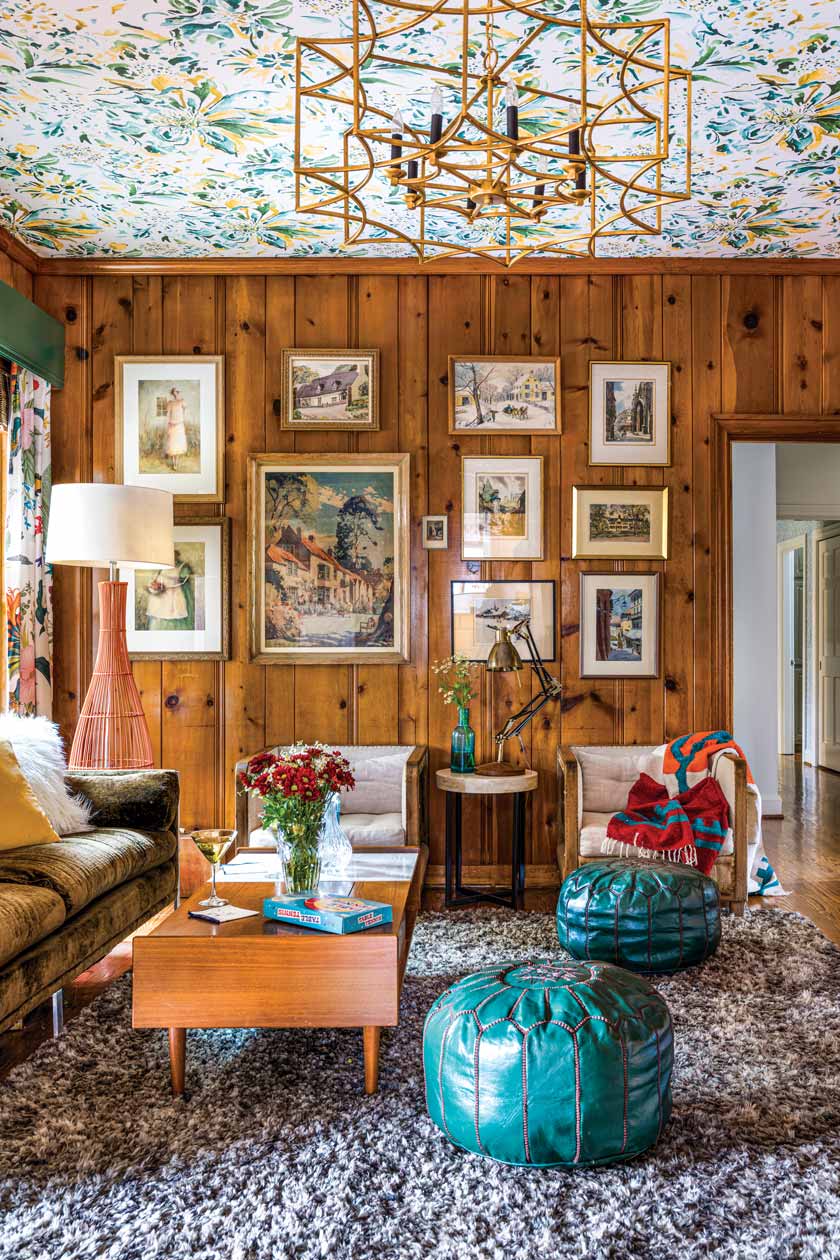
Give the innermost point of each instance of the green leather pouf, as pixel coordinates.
(547, 1063)
(648, 916)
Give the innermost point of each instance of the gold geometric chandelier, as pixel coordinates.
(501, 128)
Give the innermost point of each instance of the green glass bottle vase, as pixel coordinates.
(462, 754)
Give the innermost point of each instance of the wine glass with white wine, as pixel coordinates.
(213, 844)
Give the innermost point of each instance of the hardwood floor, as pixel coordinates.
(804, 847)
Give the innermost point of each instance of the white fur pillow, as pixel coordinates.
(40, 754)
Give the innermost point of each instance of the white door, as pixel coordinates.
(828, 648)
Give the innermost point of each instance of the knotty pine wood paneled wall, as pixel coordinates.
(736, 342)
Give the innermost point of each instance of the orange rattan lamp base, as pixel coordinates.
(112, 733)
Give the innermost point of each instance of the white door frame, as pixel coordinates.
(784, 552)
(813, 752)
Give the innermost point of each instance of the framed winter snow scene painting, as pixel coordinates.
(330, 389)
(499, 394)
(170, 424)
(329, 558)
(619, 625)
(630, 414)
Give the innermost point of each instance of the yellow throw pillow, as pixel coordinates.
(22, 821)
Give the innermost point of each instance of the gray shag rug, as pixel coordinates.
(280, 1154)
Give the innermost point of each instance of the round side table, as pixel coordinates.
(457, 786)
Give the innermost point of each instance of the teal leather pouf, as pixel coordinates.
(548, 1063)
(652, 917)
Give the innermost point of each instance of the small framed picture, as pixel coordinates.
(183, 612)
(330, 389)
(619, 523)
(630, 413)
(619, 625)
(435, 533)
(170, 424)
(478, 607)
(502, 509)
(503, 394)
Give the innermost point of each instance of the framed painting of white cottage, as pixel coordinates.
(328, 558)
(330, 389)
(494, 393)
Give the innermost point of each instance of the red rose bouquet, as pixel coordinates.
(295, 786)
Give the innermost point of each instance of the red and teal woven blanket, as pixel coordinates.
(689, 828)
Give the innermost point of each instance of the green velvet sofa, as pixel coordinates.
(64, 906)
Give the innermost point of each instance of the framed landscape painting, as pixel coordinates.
(170, 422)
(183, 612)
(330, 389)
(619, 523)
(329, 558)
(501, 506)
(478, 607)
(630, 414)
(503, 394)
(619, 625)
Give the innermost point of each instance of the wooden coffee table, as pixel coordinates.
(257, 973)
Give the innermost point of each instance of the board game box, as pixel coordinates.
(326, 913)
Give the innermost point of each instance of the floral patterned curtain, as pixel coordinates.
(28, 577)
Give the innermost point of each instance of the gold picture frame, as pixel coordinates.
(636, 449)
(319, 593)
(195, 523)
(203, 375)
(620, 536)
(337, 400)
(481, 543)
(512, 393)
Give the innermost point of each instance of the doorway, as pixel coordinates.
(827, 689)
(792, 614)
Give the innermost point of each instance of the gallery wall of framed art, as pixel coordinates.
(209, 711)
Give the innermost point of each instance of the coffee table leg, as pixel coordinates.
(177, 1059)
(371, 1042)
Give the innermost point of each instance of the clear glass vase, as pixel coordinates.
(297, 849)
(334, 847)
(462, 752)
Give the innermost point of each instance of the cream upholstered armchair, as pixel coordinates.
(594, 782)
(386, 808)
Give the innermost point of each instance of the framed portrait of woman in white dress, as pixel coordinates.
(169, 413)
(183, 612)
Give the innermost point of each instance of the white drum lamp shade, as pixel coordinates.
(93, 525)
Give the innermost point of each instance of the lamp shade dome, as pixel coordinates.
(96, 524)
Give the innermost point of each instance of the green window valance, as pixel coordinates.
(31, 337)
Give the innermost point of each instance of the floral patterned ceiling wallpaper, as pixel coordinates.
(164, 127)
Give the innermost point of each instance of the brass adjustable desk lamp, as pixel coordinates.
(504, 659)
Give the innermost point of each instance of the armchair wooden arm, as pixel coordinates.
(568, 791)
(416, 796)
(739, 833)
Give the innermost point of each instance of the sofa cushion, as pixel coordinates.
(57, 959)
(374, 829)
(81, 868)
(593, 832)
(27, 915)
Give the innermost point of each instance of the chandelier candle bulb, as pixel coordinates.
(436, 126)
(512, 112)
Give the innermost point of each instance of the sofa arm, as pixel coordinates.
(570, 793)
(146, 800)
